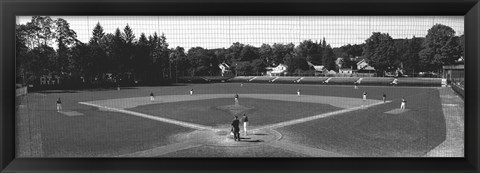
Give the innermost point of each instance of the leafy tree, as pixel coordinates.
(380, 52)
(439, 48)
(64, 34)
(328, 58)
(409, 57)
(312, 51)
(295, 63)
(248, 53)
(280, 51)
(266, 53)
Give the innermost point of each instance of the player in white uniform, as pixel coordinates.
(356, 85)
(364, 96)
(298, 92)
(152, 98)
(191, 92)
(402, 106)
(245, 123)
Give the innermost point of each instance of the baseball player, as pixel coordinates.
(245, 123)
(59, 104)
(298, 92)
(241, 84)
(364, 96)
(402, 106)
(384, 97)
(191, 92)
(152, 98)
(236, 99)
(356, 85)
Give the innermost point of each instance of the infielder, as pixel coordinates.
(59, 104)
(152, 98)
(402, 106)
(236, 99)
(364, 96)
(191, 92)
(384, 97)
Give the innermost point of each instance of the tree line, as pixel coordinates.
(45, 46)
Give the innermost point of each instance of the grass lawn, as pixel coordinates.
(374, 133)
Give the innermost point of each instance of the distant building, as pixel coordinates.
(345, 71)
(454, 73)
(224, 69)
(319, 69)
(364, 67)
(279, 70)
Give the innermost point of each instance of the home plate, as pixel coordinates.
(397, 111)
(71, 113)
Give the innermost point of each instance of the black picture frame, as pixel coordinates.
(9, 9)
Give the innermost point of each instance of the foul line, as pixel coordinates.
(166, 120)
(302, 120)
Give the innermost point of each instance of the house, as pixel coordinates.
(364, 67)
(224, 69)
(279, 70)
(319, 69)
(345, 71)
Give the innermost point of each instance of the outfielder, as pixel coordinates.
(356, 85)
(191, 92)
(298, 92)
(59, 104)
(364, 96)
(384, 97)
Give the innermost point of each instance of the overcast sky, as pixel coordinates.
(222, 31)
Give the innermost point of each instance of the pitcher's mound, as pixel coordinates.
(235, 109)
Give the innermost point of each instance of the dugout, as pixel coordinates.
(454, 74)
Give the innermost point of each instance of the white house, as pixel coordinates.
(224, 69)
(279, 70)
(363, 65)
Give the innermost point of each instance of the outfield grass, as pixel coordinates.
(374, 133)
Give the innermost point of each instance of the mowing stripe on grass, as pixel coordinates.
(166, 120)
(302, 120)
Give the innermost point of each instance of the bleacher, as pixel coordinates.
(313, 80)
(286, 80)
(241, 78)
(342, 80)
(262, 79)
(419, 82)
(383, 81)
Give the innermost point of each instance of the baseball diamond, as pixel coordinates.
(324, 121)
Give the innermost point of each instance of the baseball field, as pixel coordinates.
(324, 121)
